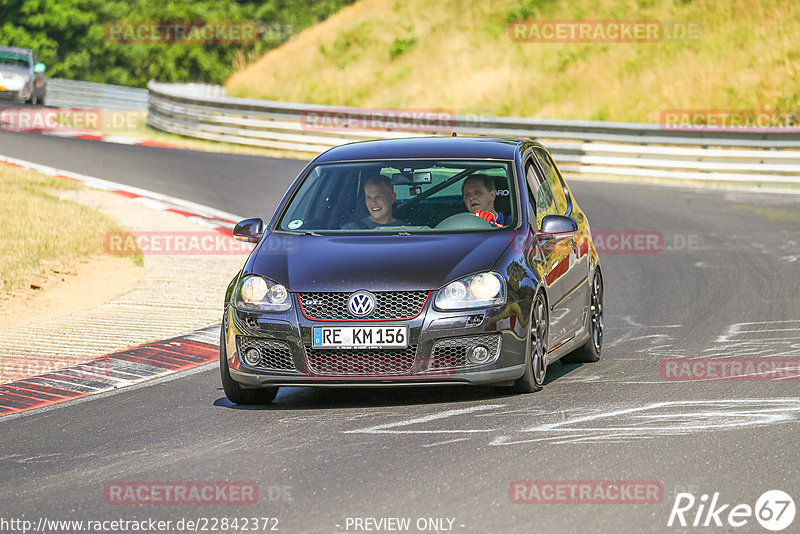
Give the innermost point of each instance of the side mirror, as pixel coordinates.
(39, 67)
(249, 230)
(557, 226)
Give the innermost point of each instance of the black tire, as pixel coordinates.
(536, 348)
(590, 351)
(236, 393)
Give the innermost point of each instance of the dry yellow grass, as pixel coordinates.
(40, 232)
(458, 55)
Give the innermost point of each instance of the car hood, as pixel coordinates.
(379, 263)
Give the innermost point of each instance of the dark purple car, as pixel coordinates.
(426, 261)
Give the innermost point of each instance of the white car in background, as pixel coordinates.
(21, 75)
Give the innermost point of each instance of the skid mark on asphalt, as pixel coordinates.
(447, 442)
(397, 426)
(674, 418)
(743, 332)
(613, 425)
(755, 339)
(750, 339)
(632, 330)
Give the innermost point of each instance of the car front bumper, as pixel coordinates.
(436, 355)
(14, 89)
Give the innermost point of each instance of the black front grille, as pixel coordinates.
(451, 353)
(361, 362)
(389, 305)
(275, 355)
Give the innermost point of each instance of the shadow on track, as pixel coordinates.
(310, 398)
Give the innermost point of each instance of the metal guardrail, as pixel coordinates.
(590, 147)
(77, 94)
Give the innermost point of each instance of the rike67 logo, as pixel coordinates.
(774, 510)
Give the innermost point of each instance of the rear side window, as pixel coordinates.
(542, 193)
(553, 179)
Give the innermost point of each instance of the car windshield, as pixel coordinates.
(13, 59)
(403, 196)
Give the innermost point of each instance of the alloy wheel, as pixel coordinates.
(539, 340)
(596, 312)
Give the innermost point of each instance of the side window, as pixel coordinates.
(553, 179)
(542, 194)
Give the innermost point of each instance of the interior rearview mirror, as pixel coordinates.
(409, 178)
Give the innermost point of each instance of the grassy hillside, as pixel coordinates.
(459, 55)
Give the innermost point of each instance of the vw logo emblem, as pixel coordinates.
(361, 303)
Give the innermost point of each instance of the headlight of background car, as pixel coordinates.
(261, 294)
(475, 291)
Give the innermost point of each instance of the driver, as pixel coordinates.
(379, 196)
(479, 194)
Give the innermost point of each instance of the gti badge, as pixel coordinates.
(361, 303)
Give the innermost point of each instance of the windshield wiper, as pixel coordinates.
(302, 232)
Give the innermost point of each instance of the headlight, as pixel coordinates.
(475, 291)
(261, 294)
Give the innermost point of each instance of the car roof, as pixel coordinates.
(424, 148)
(16, 50)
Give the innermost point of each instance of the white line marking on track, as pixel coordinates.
(445, 442)
(645, 422)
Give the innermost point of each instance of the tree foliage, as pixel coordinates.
(72, 40)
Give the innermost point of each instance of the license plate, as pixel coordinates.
(360, 337)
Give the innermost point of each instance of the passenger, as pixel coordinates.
(479, 193)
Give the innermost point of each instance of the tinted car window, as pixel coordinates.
(542, 193)
(553, 179)
(11, 58)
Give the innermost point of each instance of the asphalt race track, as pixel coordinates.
(726, 282)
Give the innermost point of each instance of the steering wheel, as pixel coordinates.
(463, 221)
